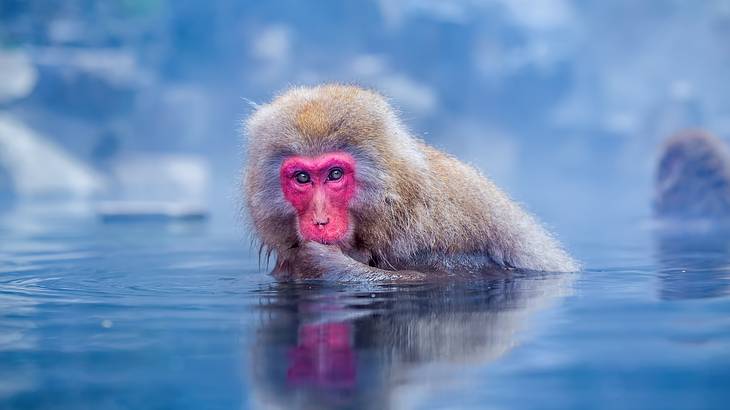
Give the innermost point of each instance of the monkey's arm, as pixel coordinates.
(315, 260)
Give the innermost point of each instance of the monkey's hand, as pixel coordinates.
(316, 260)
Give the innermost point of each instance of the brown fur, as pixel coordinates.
(416, 207)
(312, 120)
(693, 177)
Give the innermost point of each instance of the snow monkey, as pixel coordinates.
(693, 177)
(337, 187)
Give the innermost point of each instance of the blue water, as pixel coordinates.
(158, 315)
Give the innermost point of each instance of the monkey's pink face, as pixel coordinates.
(320, 190)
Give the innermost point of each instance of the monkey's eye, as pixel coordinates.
(302, 177)
(335, 174)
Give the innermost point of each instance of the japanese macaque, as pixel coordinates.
(337, 187)
(692, 204)
(693, 178)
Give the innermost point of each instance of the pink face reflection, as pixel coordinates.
(323, 356)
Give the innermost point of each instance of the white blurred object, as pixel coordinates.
(410, 94)
(273, 43)
(368, 65)
(529, 14)
(165, 178)
(541, 14)
(66, 30)
(19, 75)
(129, 211)
(413, 95)
(157, 188)
(39, 168)
(272, 46)
(116, 66)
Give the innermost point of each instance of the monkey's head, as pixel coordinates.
(325, 164)
(692, 176)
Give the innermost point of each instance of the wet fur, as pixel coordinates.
(416, 208)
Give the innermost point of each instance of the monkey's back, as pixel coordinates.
(465, 220)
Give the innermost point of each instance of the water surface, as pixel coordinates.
(97, 315)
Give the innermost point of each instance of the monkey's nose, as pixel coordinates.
(322, 221)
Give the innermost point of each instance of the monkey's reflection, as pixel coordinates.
(323, 356)
(694, 261)
(320, 345)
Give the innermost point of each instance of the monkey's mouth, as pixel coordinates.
(326, 239)
(329, 233)
(323, 236)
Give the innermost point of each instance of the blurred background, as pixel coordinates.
(562, 102)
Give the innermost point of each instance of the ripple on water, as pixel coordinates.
(147, 316)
